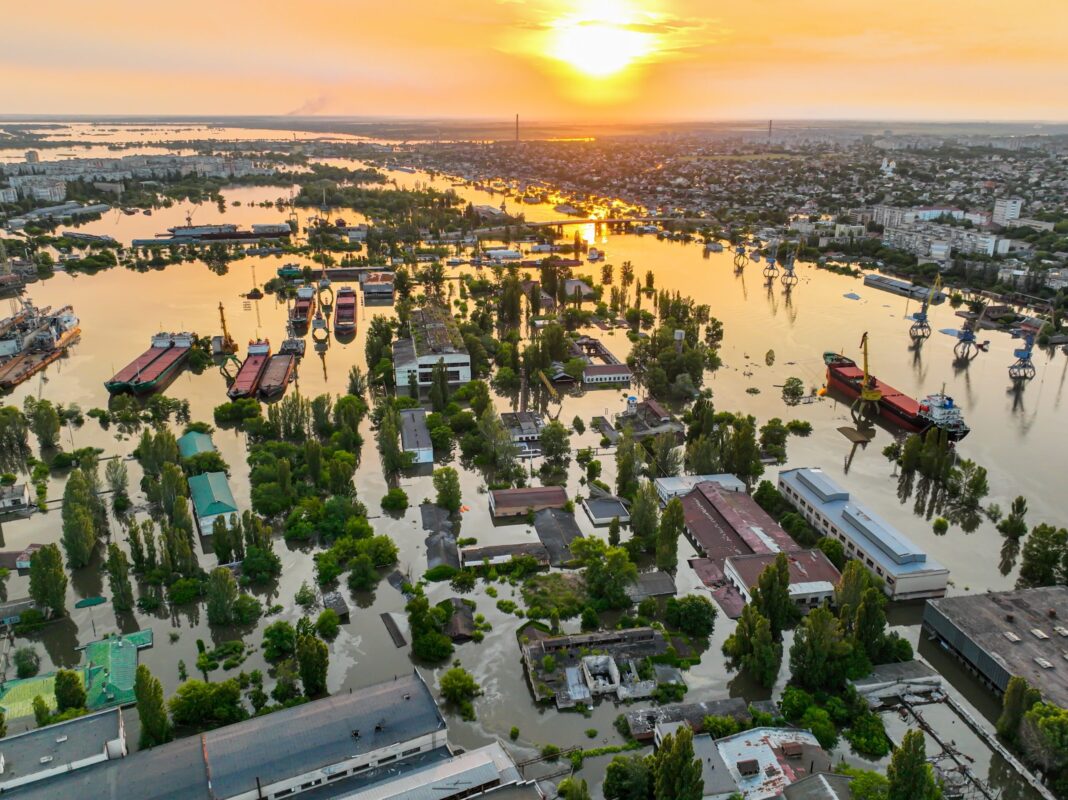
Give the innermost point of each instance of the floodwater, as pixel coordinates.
(1013, 435)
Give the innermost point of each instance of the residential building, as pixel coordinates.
(194, 443)
(1007, 209)
(812, 575)
(603, 509)
(377, 286)
(8, 194)
(520, 502)
(1002, 634)
(19, 559)
(212, 499)
(524, 427)
(908, 572)
(435, 339)
(415, 436)
(15, 497)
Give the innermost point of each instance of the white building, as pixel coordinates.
(8, 194)
(415, 436)
(907, 570)
(435, 339)
(1007, 209)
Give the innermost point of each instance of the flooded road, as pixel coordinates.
(1012, 435)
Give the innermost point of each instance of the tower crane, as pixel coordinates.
(1023, 369)
(921, 328)
(866, 405)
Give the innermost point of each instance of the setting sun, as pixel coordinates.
(599, 41)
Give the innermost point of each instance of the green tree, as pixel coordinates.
(48, 581)
(151, 709)
(752, 647)
(676, 772)
(628, 464)
(459, 687)
(667, 539)
(70, 692)
(327, 624)
(79, 521)
(909, 775)
(203, 705)
(439, 386)
(573, 788)
(855, 580)
(119, 578)
(1042, 558)
(628, 778)
(555, 444)
(44, 421)
(313, 661)
(447, 485)
(222, 592)
(643, 516)
(608, 573)
(1044, 736)
(1019, 697)
(692, 614)
(819, 656)
(772, 598)
(279, 641)
(42, 714)
(27, 662)
(869, 625)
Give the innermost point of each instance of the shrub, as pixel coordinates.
(868, 736)
(184, 591)
(328, 624)
(794, 703)
(395, 499)
(514, 733)
(27, 662)
(442, 572)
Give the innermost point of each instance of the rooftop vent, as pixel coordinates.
(1060, 630)
(1043, 663)
(1038, 633)
(1010, 618)
(46, 759)
(1052, 613)
(1012, 637)
(61, 739)
(748, 767)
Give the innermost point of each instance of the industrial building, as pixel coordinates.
(524, 428)
(415, 436)
(908, 572)
(520, 502)
(679, 485)
(435, 338)
(1002, 634)
(812, 576)
(385, 741)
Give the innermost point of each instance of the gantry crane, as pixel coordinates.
(1023, 369)
(866, 405)
(921, 328)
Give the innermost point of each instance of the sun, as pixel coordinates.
(599, 41)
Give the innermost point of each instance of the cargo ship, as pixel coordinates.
(903, 288)
(345, 313)
(247, 380)
(154, 368)
(32, 339)
(277, 375)
(301, 312)
(935, 411)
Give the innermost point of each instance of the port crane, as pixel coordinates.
(789, 277)
(921, 327)
(968, 346)
(1023, 369)
(740, 258)
(227, 345)
(770, 270)
(866, 405)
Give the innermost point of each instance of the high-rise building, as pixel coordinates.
(1006, 210)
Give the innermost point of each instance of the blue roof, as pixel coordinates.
(211, 494)
(195, 442)
(886, 545)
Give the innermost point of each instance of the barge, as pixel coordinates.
(154, 368)
(247, 380)
(345, 313)
(32, 339)
(301, 312)
(277, 375)
(903, 288)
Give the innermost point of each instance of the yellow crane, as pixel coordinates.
(866, 405)
(228, 346)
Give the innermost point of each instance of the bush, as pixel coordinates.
(694, 615)
(822, 726)
(718, 727)
(247, 609)
(184, 591)
(395, 500)
(328, 624)
(27, 662)
(794, 703)
(868, 736)
(514, 733)
(442, 572)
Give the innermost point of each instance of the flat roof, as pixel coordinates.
(475, 555)
(522, 499)
(806, 566)
(683, 484)
(988, 619)
(557, 529)
(643, 721)
(415, 435)
(774, 769)
(63, 743)
(886, 545)
(820, 786)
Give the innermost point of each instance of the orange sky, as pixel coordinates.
(665, 59)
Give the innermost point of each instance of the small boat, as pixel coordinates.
(594, 255)
(89, 602)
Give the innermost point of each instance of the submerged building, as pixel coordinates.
(434, 338)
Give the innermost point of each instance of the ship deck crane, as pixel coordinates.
(1023, 369)
(921, 327)
(866, 405)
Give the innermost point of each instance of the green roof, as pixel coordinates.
(211, 494)
(195, 442)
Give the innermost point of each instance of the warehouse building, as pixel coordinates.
(908, 572)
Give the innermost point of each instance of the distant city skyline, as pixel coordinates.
(607, 60)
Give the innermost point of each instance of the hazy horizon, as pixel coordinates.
(633, 61)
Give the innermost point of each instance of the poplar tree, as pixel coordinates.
(151, 709)
(48, 581)
(909, 775)
(772, 596)
(313, 661)
(677, 774)
(667, 538)
(119, 579)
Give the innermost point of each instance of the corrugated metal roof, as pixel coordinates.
(211, 494)
(195, 442)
